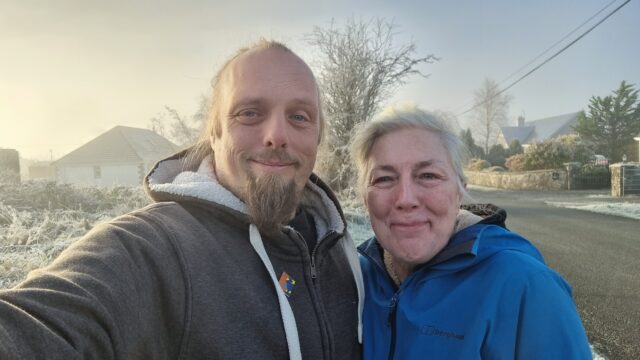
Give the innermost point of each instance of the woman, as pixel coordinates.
(443, 283)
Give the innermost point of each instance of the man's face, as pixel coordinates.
(269, 117)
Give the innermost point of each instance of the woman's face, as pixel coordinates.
(412, 195)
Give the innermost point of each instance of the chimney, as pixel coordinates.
(520, 121)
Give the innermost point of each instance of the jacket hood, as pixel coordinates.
(470, 244)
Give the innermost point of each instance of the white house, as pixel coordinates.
(530, 132)
(120, 156)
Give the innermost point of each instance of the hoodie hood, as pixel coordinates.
(180, 178)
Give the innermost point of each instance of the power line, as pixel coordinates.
(548, 59)
(556, 43)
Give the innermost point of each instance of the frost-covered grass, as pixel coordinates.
(40, 219)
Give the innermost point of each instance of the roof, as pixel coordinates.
(521, 133)
(122, 144)
(541, 129)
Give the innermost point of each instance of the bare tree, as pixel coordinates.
(183, 130)
(358, 69)
(489, 113)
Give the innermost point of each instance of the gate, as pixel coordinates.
(630, 180)
(599, 179)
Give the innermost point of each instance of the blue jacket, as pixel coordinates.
(488, 294)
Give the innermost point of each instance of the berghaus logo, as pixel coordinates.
(430, 330)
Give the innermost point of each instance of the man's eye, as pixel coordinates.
(247, 116)
(299, 118)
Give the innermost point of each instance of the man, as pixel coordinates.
(244, 255)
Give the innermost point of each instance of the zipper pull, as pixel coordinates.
(314, 275)
(392, 309)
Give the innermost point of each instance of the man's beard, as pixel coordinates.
(271, 200)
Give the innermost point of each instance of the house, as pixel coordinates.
(531, 132)
(42, 170)
(120, 156)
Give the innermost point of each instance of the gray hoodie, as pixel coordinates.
(189, 277)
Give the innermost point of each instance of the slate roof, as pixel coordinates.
(122, 144)
(541, 129)
(521, 134)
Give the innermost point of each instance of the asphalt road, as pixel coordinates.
(598, 254)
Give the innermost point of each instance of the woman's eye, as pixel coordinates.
(427, 176)
(381, 180)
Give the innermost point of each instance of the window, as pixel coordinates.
(97, 173)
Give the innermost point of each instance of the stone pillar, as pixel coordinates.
(616, 179)
(572, 170)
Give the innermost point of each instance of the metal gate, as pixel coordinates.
(599, 180)
(630, 180)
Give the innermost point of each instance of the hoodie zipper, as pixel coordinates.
(314, 273)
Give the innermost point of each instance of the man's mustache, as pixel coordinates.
(275, 156)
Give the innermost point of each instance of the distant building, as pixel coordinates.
(120, 156)
(531, 132)
(42, 170)
(10, 160)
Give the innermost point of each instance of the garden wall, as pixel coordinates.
(524, 180)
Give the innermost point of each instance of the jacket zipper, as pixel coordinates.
(391, 322)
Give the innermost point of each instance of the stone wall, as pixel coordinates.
(524, 180)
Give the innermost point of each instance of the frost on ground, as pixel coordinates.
(630, 210)
(40, 219)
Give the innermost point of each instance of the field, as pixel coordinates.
(40, 219)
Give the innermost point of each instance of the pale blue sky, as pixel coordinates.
(71, 69)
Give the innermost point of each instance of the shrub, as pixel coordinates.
(592, 169)
(515, 162)
(497, 155)
(478, 164)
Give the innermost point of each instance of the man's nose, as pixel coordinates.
(406, 196)
(276, 131)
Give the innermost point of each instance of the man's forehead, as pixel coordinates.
(269, 63)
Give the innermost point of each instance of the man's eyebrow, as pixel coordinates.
(427, 163)
(384, 168)
(248, 101)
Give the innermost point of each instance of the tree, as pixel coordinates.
(489, 113)
(358, 68)
(514, 148)
(611, 123)
(475, 151)
(182, 130)
(497, 155)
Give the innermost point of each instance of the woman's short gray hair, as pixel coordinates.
(398, 118)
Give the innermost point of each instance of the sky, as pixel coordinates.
(72, 69)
